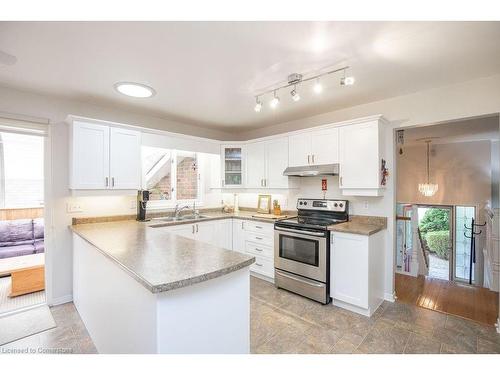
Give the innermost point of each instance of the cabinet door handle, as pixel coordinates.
(258, 249)
(258, 238)
(258, 227)
(313, 158)
(308, 159)
(112, 182)
(196, 228)
(265, 182)
(242, 225)
(258, 264)
(222, 182)
(192, 227)
(107, 181)
(340, 180)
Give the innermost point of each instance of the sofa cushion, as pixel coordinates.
(15, 251)
(38, 228)
(16, 232)
(39, 246)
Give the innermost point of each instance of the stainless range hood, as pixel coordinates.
(312, 170)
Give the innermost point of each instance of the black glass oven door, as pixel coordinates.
(302, 250)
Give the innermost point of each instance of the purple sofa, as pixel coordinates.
(21, 237)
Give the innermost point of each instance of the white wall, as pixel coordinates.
(462, 171)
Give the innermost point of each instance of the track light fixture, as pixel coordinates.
(297, 79)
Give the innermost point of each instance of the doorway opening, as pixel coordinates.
(447, 211)
(22, 229)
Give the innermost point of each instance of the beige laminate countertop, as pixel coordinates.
(355, 227)
(159, 260)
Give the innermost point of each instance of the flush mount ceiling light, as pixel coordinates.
(297, 79)
(134, 90)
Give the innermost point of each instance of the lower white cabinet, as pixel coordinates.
(357, 271)
(205, 231)
(225, 233)
(256, 239)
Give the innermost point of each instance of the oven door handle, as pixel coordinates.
(316, 234)
(319, 285)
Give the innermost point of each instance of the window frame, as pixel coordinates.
(171, 203)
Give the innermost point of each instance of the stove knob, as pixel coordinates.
(341, 205)
(305, 203)
(335, 205)
(301, 203)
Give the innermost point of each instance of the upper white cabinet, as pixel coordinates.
(104, 157)
(314, 148)
(232, 159)
(125, 158)
(265, 163)
(360, 157)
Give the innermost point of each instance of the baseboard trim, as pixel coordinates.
(60, 300)
(390, 297)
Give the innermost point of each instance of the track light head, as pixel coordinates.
(274, 101)
(258, 104)
(295, 94)
(347, 81)
(317, 88)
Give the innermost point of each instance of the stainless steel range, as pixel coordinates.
(302, 247)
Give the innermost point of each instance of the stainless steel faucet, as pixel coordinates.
(179, 209)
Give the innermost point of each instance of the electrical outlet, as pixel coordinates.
(73, 207)
(365, 204)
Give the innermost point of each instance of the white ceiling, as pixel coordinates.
(476, 129)
(207, 73)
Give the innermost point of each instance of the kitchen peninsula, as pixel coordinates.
(140, 289)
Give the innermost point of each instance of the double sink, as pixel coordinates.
(170, 219)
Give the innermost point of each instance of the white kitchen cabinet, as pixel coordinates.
(238, 235)
(361, 154)
(186, 230)
(357, 271)
(125, 158)
(265, 162)
(89, 156)
(276, 163)
(256, 165)
(225, 233)
(104, 157)
(232, 166)
(314, 148)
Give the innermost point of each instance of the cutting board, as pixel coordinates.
(270, 216)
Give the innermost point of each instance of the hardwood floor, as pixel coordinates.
(475, 303)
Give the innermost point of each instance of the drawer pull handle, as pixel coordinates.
(258, 227)
(258, 249)
(258, 238)
(258, 264)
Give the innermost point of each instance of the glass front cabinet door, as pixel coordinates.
(232, 166)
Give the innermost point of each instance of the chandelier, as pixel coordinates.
(427, 189)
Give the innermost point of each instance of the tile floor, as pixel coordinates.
(283, 322)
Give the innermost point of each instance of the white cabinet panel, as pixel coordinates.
(238, 235)
(325, 146)
(206, 232)
(183, 230)
(299, 150)
(277, 162)
(225, 233)
(125, 159)
(349, 276)
(89, 156)
(255, 164)
(360, 158)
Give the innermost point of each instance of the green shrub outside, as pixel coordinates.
(438, 243)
